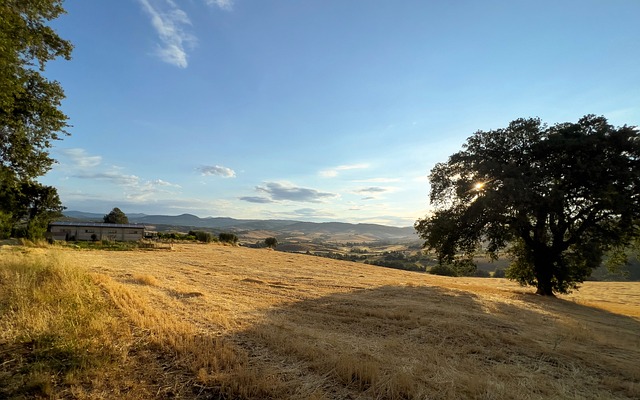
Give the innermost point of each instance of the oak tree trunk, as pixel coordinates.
(543, 267)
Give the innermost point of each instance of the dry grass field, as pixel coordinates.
(213, 321)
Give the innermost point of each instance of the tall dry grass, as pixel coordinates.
(429, 342)
(61, 337)
(55, 325)
(227, 322)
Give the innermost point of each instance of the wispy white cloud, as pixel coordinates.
(223, 4)
(333, 172)
(217, 170)
(171, 24)
(81, 159)
(113, 177)
(135, 188)
(160, 182)
(147, 190)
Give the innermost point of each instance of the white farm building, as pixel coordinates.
(96, 231)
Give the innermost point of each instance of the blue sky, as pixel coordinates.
(324, 110)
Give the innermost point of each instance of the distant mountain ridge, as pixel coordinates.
(276, 227)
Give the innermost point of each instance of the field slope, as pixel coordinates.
(212, 321)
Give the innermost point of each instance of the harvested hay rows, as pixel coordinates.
(250, 323)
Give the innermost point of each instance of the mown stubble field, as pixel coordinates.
(213, 321)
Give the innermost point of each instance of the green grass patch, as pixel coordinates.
(105, 245)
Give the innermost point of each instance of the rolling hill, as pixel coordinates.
(337, 231)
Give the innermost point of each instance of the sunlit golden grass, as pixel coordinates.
(53, 322)
(60, 336)
(145, 279)
(212, 321)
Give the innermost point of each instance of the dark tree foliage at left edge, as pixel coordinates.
(30, 115)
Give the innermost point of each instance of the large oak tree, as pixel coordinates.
(558, 197)
(30, 115)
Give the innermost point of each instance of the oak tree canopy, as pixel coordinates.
(557, 197)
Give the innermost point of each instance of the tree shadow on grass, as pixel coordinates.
(428, 342)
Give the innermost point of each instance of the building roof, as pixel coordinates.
(96, 224)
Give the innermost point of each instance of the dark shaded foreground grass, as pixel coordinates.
(432, 343)
(65, 333)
